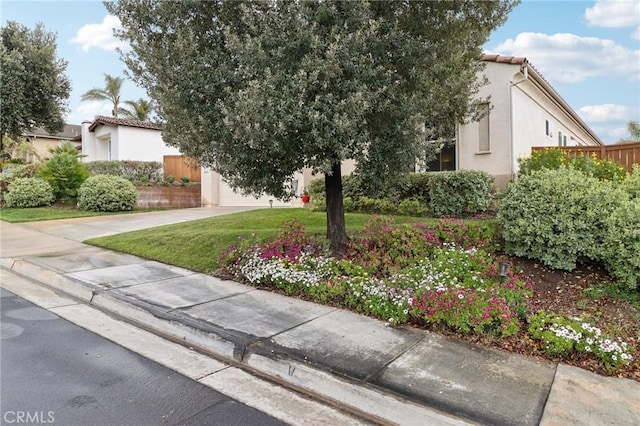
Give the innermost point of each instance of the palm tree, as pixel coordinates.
(140, 110)
(110, 92)
(634, 130)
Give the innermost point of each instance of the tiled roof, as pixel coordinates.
(115, 121)
(70, 132)
(518, 60)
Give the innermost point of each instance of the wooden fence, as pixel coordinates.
(625, 154)
(179, 166)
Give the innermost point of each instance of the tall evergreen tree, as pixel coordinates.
(33, 83)
(259, 90)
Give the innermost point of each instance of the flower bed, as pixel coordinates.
(446, 276)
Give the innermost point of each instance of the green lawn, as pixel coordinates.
(197, 245)
(15, 215)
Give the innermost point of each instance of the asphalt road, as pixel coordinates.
(54, 372)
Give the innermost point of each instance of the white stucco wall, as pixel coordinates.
(88, 142)
(141, 145)
(216, 192)
(111, 142)
(519, 108)
(497, 160)
(531, 109)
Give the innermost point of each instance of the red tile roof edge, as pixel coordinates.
(115, 121)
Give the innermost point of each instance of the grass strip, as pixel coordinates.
(36, 214)
(198, 244)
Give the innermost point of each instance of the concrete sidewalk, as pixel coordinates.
(395, 375)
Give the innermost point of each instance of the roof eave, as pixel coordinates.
(533, 73)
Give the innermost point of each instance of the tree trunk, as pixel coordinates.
(336, 228)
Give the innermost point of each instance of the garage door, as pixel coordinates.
(229, 198)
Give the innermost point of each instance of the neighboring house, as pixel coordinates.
(523, 111)
(42, 141)
(111, 138)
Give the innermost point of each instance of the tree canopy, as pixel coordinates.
(138, 110)
(633, 127)
(259, 90)
(110, 92)
(33, 83)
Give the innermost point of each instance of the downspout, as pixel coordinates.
(525, 72)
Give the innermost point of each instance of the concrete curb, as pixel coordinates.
(53, 279)
(366, 400)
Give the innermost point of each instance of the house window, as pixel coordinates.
(562, 139)
(484, 144)
(548, 128)
(445, 160)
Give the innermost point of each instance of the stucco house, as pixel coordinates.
(42, 141)
(112, 138)
(523, 111)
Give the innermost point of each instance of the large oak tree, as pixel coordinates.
(258, 90)
(33, 84)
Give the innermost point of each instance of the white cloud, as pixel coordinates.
(606, 113)
(568, 58)
(615, 14)
(88, 110)
(618, 133)
(100, 35)
(610, 133)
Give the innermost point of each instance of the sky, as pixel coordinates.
(588, 50)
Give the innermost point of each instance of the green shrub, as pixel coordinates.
(29, 192)
(135, 171)
(561, 336)
(13, 171)
(348, 204)
(413, 208)
(107, 193)
(316, 187)
(375, 205)
(557, 216)
(554, 159)
(64, 172)
(415, 186)
(463, 192)
(483, 235)
(632, 184)
(104, 167)
(621, 252)
(551, 158)
(598, 168)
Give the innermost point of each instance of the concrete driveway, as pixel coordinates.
(19, 239)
